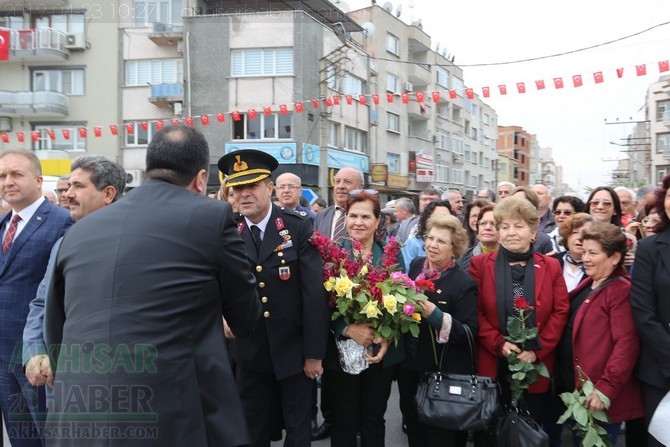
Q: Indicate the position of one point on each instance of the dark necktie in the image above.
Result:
(256, 232)
(8, 240)
(339, 233)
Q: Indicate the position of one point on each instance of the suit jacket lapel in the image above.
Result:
(271, 238)
(247, 237)
(31, 226)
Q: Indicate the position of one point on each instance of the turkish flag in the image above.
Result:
(389, 97)
(4, 137)
(236, 116)
(35, 135)
(145, 125)
(336, 100)
(4, 44)
(283, 109)
(469, 93)
(315, 103)
(66, 134)
(404, 98)
(204, 119)
(97, 131)
(160, 124)
(267, 110)
(174, 121)
(577, 81)
(436, 97)
(130, 128)
(252, 113)
(420, 96)
(82, 132)
(452, 93)
(189, 121)
(350, 99)
(375, 98)
(521, 87)
(503, 89)
(619, 72)
(329, 102)
(558, 82)
(641, 70)
(361, 99)
(51, 133)
(114, 129)
(486, 91)
(663, 66)
(539, 84)
(220, 117)
(20, 136)
(598, 77)
(299, 107)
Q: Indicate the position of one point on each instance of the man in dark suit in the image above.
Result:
(276, 365)
(28, 233)
(136, 302)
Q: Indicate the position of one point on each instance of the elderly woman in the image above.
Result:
(651, 309)
(358, 402)
(487, 235)
(414, 245)
(470, 218)
(571, 239)
(515, 270)
(600, 337)
(452, 305)
(562, 208)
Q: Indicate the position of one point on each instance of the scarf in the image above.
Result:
(573, 261)
(505, 289)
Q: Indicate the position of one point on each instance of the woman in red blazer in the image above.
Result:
(515, 270)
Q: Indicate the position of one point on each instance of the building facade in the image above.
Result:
(517, 144)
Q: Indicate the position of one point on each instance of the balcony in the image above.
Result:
(165, 94)
(418, 74)
(419, 111)
(34, 104)
(37, 45)
(166, 33)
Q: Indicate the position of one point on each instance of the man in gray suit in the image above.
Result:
(136, 302)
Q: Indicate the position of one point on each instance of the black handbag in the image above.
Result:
(457, 401)
(517, 428)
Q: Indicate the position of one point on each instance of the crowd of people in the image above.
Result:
(164, 317)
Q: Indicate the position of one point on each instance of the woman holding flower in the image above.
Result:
(358, 401)
(451, 304)
(525, 291)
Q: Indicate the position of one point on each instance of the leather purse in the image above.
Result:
(457, 401)
(517, 428)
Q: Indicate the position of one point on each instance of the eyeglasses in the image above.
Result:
(602, 203)
(355, 192)
(563, 212)
(485, 223)
(282, 187)
(650, 220)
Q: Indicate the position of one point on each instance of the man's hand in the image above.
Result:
(227, 332)
(38, 370)
(508, 348)
(312, 368)
(361, 333)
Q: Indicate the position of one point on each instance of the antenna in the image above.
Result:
(398, 11)
(388, 6)
(369, 30)
(418, 24)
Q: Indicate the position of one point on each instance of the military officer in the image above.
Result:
(278, 362)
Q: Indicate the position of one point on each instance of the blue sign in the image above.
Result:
(310, 195)
(341, 159)
(285, 153)
(311, 154)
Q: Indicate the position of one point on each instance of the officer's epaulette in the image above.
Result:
(293, 212)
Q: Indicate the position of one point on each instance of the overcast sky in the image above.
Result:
(571, 120)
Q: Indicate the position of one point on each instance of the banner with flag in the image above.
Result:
(4, 44)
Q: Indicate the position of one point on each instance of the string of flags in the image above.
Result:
(330, 101)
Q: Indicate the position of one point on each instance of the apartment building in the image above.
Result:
(653, 153)
(516, 143)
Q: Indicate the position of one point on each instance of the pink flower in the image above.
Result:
(402, 279)
(408, 309)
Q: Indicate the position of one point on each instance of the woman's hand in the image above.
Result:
(632, 227)
(508, 348)
(527, 356)
(427, 308)
(629, 259)
(383, 349)
(593, 403)
(361, 333)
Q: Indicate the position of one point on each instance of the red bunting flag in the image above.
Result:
(236, 116)
(204, 119)
(641, 70)
(35, 135)
(486, 91)
(299, 107)
(251, 113)
(469, 93)
(521, 87)
(375, 98)
(315, 103)
(420, 97)
(558, 83)
(283, 109)
(145, 125)
(20, 136)
(82, 132)
(130, 128)
(619, 73)
(4, 137)
(114, 129)
(174, 121)
(663, 66)
(361, 99)
(97, 131)
(66, 134)
(5, 37)
(51, 133)
(539, 84)
(160, 124)
(267, 110)
(329, 102)
(452, 93)
(436, 97)
(336, 100)
(404, 97)
(189, 121)
(577, 81)
(349, 99)
(221, 117)
(503, 89)
(389, 97)
(598, 77)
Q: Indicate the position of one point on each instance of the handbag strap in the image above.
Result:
(471, 345)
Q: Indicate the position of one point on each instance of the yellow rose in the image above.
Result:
(371, 310)
(330, 284)
(364, 270)
(390, 303)
(416, 316)
(343, 286)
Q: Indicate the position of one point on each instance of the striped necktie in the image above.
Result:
(339, 232)
(8, 240)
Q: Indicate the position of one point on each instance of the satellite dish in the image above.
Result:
(444, 52)
(418, 24)
(338, 29)
(388, 6)
(398, 11)
(369, 28)
(437, 47)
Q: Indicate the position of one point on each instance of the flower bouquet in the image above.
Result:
(377, 295)
(522, 374)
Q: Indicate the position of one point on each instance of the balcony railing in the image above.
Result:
(162, 94)
(47, 44)
(34, 104)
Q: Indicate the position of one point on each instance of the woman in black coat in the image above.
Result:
(450, 306)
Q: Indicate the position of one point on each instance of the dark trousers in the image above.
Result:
(262, 398)
(23, 407)
(358, 403)
(652, 396)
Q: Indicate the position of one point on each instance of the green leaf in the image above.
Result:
(588, 387)
(519, 375)
(567, 398)
(542, 370)
(514, 330)
(386, 332)
(518, 365)
(580, 413)
(531, 333)
(591, 438)
(565, 416)
(604, 398)
(401, 299)
(414, 330)
(601, 416)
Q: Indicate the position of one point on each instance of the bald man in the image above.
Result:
(289, 190)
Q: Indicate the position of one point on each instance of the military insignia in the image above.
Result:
(240, 165)
(283, 233)
(240, 227)
(284, 273)
(302, 213)
(285, 245)
(279, 223)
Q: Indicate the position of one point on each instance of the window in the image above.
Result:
(12, 22)
(392, 44)
(333, 132)
(442, 77)
(264, 127)
(663, 111)
(69, 82)
(441, 171)
(262, 62)
(355, 140)
(393, 122)
(443, 111)
(154, 71)
(663, 143)
(458, 85)
(457, 176)
(457, 145)
(393, 161)
(441, 139)
(59, 142)
(141, 137)
(352, 85)
(148, 12)
(486, 119)
(67, 23)
(392, 83)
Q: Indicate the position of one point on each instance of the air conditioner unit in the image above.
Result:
(408, 87)
(457, 157)
(180, 47)
(160, 27)
(134, 177)
(75, 41)
(177, 108)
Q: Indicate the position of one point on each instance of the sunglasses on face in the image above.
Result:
(604, 204)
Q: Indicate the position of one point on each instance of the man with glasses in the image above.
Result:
(289, 190)
(486, 194)
(563, 208)
(62, 185)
